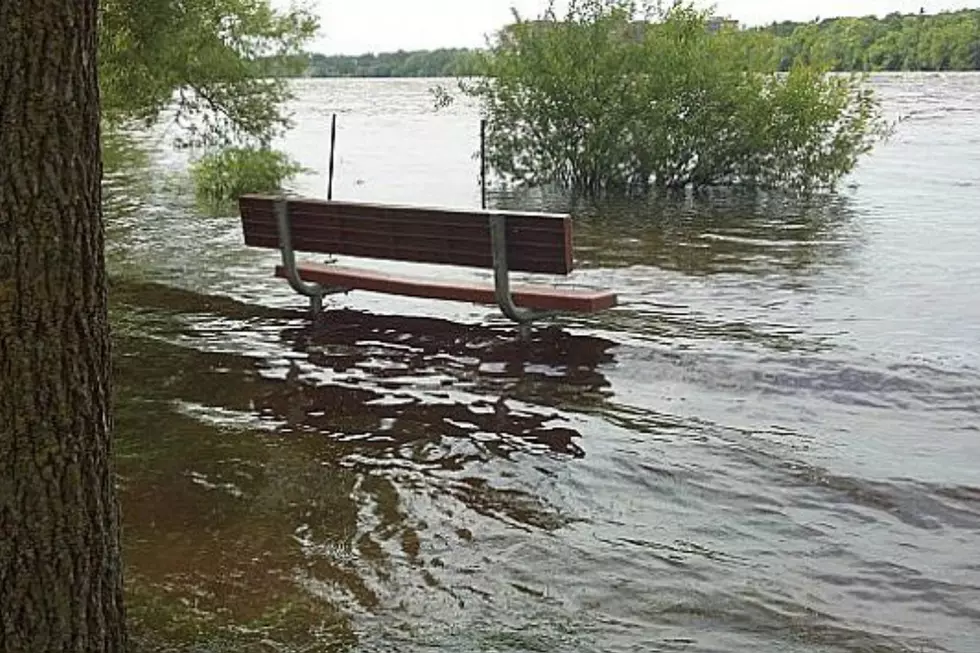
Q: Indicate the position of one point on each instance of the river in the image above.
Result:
(772, 444)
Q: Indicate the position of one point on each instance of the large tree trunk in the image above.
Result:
(60, 574)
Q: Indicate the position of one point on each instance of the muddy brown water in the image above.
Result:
(773, 444)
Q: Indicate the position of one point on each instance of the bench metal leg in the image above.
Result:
(314, 291)
(316, 305)
(501, 277)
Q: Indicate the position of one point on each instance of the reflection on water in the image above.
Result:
(711, 232)
(262, 473)
(771, 443)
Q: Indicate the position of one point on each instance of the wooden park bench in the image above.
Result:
(504, 241)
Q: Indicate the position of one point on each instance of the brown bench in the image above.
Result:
(503, 241)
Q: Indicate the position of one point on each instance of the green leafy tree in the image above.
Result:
(945, 41)
(60, 572)
(615, 96)
(206, 60)
(217, 69)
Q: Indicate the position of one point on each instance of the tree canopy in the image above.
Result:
(912, 42)
(207, 61)
(217, 70)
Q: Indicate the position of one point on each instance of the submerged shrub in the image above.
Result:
(223, 176)
(617, 97)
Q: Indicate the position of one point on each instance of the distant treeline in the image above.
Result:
(421, 63)
(946, 41)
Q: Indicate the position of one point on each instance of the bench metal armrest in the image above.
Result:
(312, 290)
(501, 275)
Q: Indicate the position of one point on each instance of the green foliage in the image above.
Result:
(945, 41)
(420, 63)
(618, 96)
(204, 60)
(223, 176)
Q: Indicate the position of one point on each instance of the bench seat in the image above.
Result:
(538, 297)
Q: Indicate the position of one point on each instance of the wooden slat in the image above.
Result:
(536, 242)
(536, 297)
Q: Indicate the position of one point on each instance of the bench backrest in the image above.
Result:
(536, 242)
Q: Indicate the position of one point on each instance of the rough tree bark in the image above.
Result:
(60, 574)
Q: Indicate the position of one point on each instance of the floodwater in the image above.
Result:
(773, 444)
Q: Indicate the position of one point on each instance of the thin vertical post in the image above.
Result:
(333, 144)
(483, 163)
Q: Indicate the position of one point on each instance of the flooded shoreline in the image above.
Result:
(771, 443)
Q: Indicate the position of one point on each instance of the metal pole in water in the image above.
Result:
(333, 144)
(483, 163)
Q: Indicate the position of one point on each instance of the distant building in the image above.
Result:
(717, 23)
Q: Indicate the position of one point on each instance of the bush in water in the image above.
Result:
(223, 176)
(619, 96)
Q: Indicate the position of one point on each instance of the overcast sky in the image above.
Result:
(358, 26)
